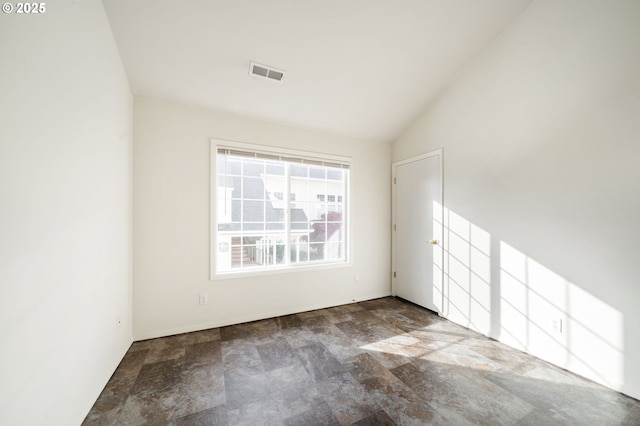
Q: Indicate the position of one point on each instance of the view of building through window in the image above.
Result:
(278, 212)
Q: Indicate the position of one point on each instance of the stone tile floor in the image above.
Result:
(380, 362)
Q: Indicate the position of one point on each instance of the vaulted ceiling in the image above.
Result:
(362, 68)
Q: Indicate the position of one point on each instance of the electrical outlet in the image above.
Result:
(556, 325)
(356, 279)
(204, 298)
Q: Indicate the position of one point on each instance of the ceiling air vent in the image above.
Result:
(265, 71)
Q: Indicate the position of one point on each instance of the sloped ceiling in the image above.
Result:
(362, 68)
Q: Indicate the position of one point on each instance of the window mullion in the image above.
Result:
(287, 215)
(344, 237)
(241, 214)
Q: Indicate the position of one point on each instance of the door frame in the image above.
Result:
(439, 153)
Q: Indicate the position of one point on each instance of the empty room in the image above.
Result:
(354, 212)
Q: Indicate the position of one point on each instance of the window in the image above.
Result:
(268, 213)
(331, 198)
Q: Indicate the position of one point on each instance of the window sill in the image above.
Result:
(278, 270)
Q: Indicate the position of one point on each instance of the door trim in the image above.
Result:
(394, 166)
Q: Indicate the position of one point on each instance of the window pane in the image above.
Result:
(229, 165)
(335, 174)
(253, 211)
(272, 226)
(274, 168)
(225, 227)
(300, 187)
(334, 216)
(317, 211)
(299, 219)
(223, 252)
(275, 187)
(252, 188)
(232, 183)
(236, 206)
(299, 248)
(316, 251)
(270, 250)
(317, 172)
(223, 203)
(333, 251)
(253, 168)
(298, 170)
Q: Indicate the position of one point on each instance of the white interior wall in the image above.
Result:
(65, 212)
(171, 224)
(540, 139)
(542, 187)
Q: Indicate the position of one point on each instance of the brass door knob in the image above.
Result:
(434, 242)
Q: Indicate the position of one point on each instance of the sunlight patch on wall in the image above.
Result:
(544, 314)
(466, 271)
(438, 260)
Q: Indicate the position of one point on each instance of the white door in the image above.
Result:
(417, 234)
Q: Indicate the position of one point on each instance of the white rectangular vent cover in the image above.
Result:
(266, 71)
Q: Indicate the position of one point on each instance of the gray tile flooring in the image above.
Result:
(380, 362)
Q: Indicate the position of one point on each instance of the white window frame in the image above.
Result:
(312, 157)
